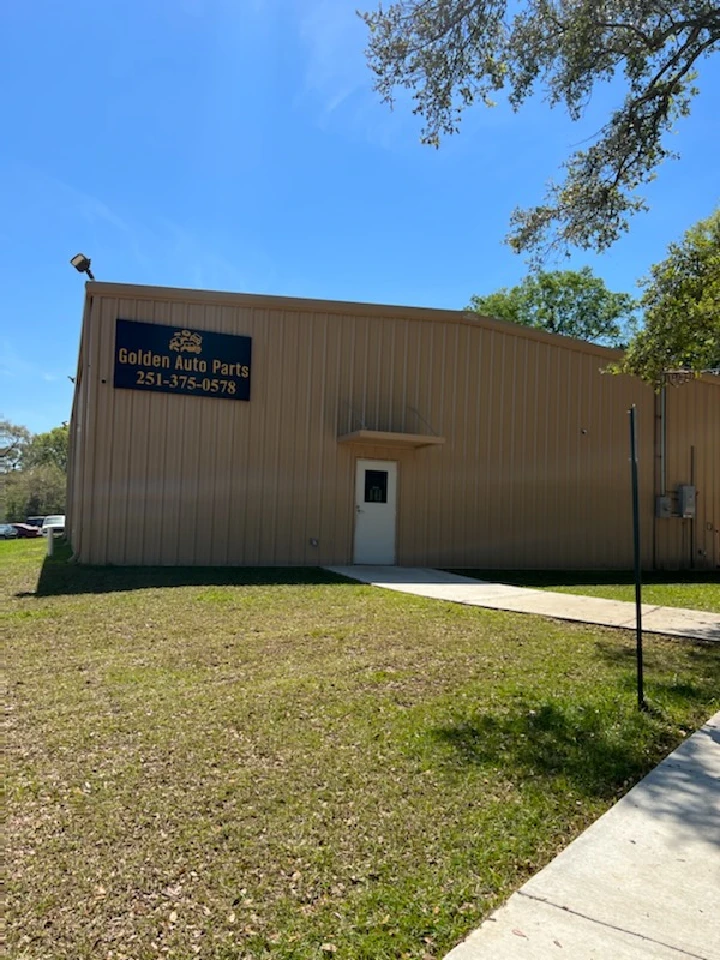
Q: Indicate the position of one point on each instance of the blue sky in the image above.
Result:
(239, 145)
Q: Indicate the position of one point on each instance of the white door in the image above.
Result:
(375, 505)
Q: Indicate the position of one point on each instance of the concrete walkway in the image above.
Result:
(642, 882)
(438, 585)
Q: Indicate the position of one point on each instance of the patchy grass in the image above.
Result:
(697, 590)
(255, 764)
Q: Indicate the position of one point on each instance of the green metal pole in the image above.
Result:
(638, 573)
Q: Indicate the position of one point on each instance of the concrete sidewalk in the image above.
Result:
(642, 882)
(438, 585)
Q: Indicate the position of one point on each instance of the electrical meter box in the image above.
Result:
(686, 501)
(663, 507)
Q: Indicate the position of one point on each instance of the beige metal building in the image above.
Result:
(217, 428)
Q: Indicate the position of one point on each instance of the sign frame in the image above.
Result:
(179, 360)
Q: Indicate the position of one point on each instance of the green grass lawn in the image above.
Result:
(256, 763)
(693, 589)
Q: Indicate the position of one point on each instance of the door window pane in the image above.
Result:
(376, 486)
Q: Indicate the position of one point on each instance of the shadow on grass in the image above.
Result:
(550, 750)
(58, 577)
(701, 659)
(580, 578)
(588, 750)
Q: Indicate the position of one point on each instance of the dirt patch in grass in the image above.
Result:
(292, 766)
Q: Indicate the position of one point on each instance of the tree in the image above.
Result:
(48, 448)
(574, 303)
(13, 440)
(454, 53)
(39, 491)
(681, 304)
(34, 469)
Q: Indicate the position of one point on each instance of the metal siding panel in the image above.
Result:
(498, 485)
(585, 491)
(295, 492)
(122, 444)
(204, 479)
(156, 488)
(222, 465)
(330, 538)
(373, 374)
(463, 528)
(342, 478)
(513, 483)
(401, 376)
(359, 359)
(260, 435)
(521, 464)
(226, 427)
(553, 504)
(528, 464)
(300, 492)
(189, 480)
(425, 504)
(249, 439)
(482, 549)
(99, 435)
(693, 419)
(430, 401)
(567, 479)
(315, 436)
(282, 400)
(605, 466)
(453, 543)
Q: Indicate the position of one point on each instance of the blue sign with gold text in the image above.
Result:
(196, 363)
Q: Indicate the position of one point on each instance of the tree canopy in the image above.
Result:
(574, 303)
(48, 448)
(13, 441)
(681, 305)
(38, 491)
(455, 53)
(35, 466)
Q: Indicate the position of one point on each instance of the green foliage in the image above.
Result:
(681, 303)
(13, 440)
(573, 303)
(455, 53)
(34, 468)
(48, 448)
(37, 491)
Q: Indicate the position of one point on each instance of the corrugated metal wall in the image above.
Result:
(534, 471)
(693, 456)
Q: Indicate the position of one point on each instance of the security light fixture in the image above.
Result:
(82, 264)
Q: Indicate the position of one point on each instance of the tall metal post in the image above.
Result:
(638, 574)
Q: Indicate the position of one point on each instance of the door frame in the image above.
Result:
(356, 502)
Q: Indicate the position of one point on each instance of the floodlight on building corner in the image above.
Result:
(82, 264)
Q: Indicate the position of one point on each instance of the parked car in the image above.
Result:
(7, 531)
(57, 523)
(35, 521)
(26, 530)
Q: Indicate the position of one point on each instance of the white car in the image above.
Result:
(57, 523)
